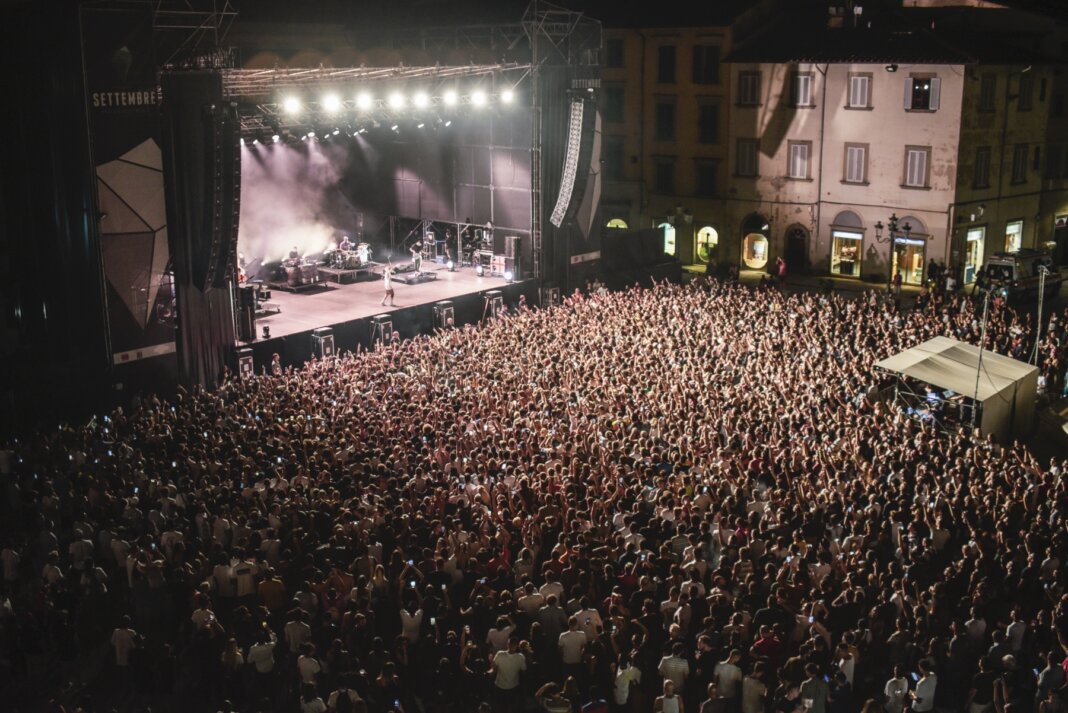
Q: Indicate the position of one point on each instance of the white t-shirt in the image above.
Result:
(124, 641)
(411, 624)
(309, 668)
(571, 644)
(728, 676)
(895, 690)
(498, 638)
(753, 692)
(508, 667)
(262, 656)
(624, 678)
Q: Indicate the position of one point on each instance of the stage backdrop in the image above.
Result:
(307, 194)
(120, 71)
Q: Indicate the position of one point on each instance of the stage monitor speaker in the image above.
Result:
(493, 305)
(444, 314)
(381, 330)
(323, 342)
(550, 296)
(245, 367)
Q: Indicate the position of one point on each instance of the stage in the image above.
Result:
(347, 309)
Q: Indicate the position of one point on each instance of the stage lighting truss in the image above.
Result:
(354, 112)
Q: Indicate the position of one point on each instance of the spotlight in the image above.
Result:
(421, 125)
(332, 103)
(451, 98)
(364, 101)
(311, 134)
(891, 68)
(479, 270)
(508, 276)
(304, 138)
(337, 131)
(255, 141)
(394, 127)
(448, 123)
(451, 265)
(396, 100)
(291, 105)
(478, 98)
(421, 100)
(507, 96)
(242, 142)
(276, 138)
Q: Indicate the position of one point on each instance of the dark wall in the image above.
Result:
(53, 347)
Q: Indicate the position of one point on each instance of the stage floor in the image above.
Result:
(302, 312)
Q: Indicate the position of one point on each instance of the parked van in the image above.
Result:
(1017, 274)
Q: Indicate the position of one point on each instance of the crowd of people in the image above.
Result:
(678, 499)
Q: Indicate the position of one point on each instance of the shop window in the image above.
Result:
(908, 260)
(669, 237)
(707, 244)
(973, 253)
(1013, 236)
(755, 251)
(846, 252)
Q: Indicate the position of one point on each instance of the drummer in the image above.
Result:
(346, 244)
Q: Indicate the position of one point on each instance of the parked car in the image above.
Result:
(1018, 274)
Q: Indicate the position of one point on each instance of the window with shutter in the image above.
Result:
(746, 158)
(856, 163)
(749, 88)
(916, 163)
(859, 91)
(798, 159)
(802, 89)
(922, 93)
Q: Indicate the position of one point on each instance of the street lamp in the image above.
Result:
(891, 238)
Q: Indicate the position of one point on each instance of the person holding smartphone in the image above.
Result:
(923, 698)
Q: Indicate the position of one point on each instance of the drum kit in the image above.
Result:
(356, 259)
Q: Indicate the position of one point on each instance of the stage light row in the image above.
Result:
(332, 103)
(263, 138)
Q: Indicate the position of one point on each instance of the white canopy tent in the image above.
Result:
(1007, 387)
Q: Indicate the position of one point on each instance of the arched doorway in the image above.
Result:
(755, 246)
(617, 223)
(796, 252)
(707, 245)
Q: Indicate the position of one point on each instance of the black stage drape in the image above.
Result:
(191, 104)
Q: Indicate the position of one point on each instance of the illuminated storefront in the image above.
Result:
(755, 246)
(669, 237)
(908, 259)
(707, 245)
(846, 252)
(847, 244)
(1013, 236)
(973, 253)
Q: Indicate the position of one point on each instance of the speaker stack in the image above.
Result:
(444, 314)
(246, 313)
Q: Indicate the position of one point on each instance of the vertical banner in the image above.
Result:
(121, 82)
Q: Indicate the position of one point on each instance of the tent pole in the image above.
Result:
(979, 366)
